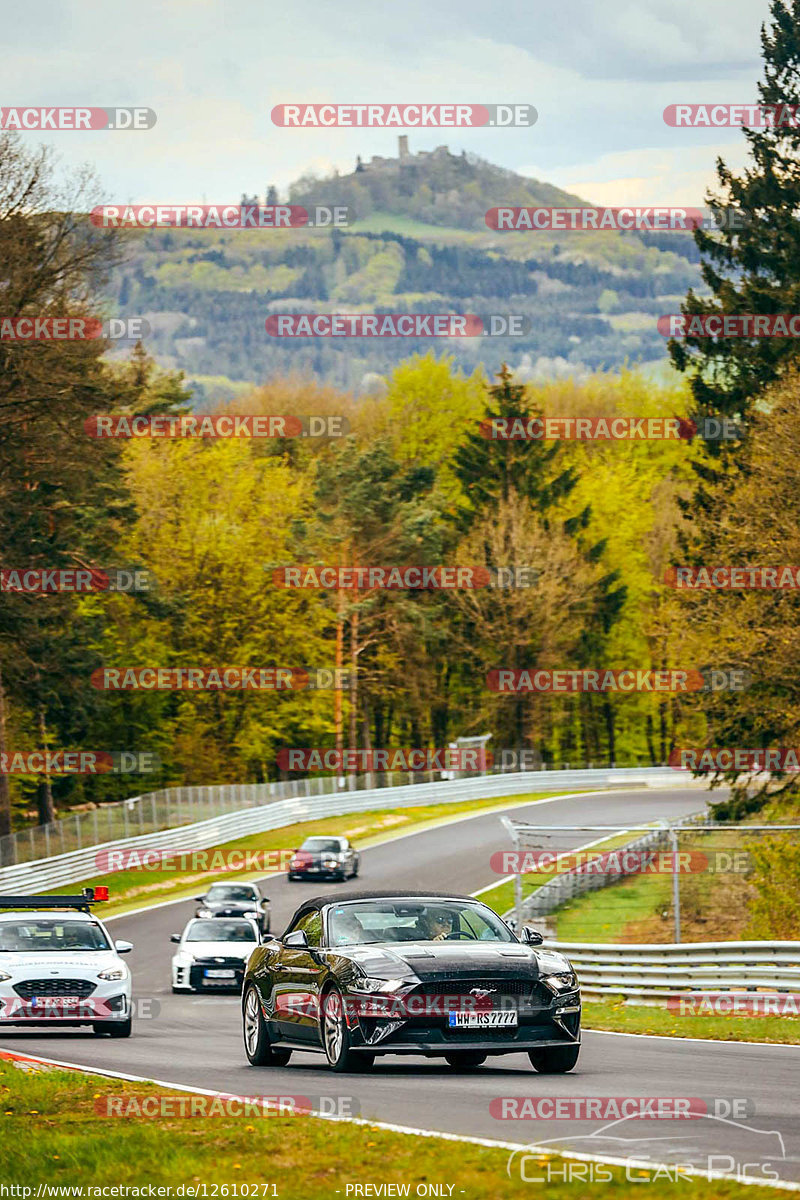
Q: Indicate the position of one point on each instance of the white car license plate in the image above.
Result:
(481, 1020)
(220, 974)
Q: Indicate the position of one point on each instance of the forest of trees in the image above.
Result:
(413, 481)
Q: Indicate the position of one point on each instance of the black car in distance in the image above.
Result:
(377, 973)
(324, 858)
(235, 900)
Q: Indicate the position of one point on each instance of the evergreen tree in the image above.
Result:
(751, 263)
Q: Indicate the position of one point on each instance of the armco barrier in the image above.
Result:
(60, 869)
(652, 972)
(579, 880)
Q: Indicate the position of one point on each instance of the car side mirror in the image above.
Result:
(175, 937)
(123, 947)
(199, 899)
(532, 937)
(296, 940)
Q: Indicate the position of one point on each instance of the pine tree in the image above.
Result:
(751, 263)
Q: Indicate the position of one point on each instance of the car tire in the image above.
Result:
(115, 1029)
(336, 1037)
(257, 1046)
(554, 1060)
(465, 1060)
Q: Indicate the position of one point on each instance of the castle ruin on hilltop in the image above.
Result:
(405, 161)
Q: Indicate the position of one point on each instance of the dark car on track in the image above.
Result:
(235, 900)
(324, 858)
(373, 973)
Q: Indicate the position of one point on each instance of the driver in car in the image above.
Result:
(439, 924)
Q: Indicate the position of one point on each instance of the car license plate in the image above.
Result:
(220, 974)
(481, 1020)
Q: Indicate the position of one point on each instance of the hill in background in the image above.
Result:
(417, 242)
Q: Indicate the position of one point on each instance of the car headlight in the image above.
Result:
(113, 973)
(562, 981)
(4, 976)
(204, 912)
(330, 861)
(367, 984)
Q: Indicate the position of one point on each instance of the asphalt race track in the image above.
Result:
(197, 1041)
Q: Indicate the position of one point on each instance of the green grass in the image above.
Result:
(616, 1015)
(50, 1133)
(135, 889)
(603, 915)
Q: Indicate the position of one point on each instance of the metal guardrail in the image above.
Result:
(273, 813)
(581, 879)
(653, 972)
(171, 808)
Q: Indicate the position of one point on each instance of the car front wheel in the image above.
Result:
(336, 1037)
(554, 1060)
(257, 1045)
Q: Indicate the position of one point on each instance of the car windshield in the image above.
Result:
(414, 921)
(221, 931)
(51, 936)
(317, 844)
(227, 892)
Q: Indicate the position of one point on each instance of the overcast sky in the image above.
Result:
(599, 73)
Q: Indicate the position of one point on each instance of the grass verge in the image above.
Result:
(615, 1015)
(51, 1135)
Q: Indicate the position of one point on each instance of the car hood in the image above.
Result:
(446, 960)
(33, 966)
(241, 950)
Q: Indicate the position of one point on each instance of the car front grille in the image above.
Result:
(54, 987)
(198, 978)
(529, 989)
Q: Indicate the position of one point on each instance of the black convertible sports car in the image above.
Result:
(423, 973)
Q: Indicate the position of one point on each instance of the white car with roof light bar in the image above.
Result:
(59, 967)
(212, 953)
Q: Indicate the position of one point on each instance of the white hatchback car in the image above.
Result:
(212, 953)
(61, 968)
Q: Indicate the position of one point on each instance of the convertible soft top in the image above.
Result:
(343, 897)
